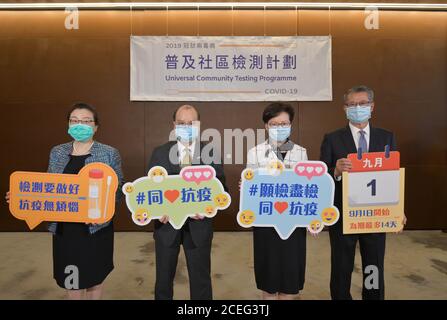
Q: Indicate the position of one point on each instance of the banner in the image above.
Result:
(230, 68)
(196, 190)
(288, 198)
(88, 196)
(373, 193)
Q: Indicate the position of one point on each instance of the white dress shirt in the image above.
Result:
(356, 136)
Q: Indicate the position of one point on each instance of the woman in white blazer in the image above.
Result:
(279, 264)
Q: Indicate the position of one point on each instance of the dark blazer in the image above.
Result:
(340, 143)
(201, 230)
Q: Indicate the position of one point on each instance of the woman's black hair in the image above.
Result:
(86, 106)
(274, 109)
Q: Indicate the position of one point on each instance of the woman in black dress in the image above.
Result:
(82, 253)
(279, 264)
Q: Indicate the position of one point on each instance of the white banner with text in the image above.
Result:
(165, 68)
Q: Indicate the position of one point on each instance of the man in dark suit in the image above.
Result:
(359, 103)
(197, 232)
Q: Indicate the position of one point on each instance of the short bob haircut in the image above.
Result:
(274, 109)
(86, 106)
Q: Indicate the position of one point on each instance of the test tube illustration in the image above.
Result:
(94, 193)
(109, 181)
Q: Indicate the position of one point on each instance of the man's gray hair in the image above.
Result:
(360, 88)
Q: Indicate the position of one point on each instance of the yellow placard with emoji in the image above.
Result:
(87, 197)
(286, 199)
(195, 190)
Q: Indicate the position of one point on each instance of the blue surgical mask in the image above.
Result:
(186, 133)
(279, 133)
(359, 113)
(80, 132)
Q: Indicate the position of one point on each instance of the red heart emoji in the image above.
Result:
(171, 195)
(281, 206)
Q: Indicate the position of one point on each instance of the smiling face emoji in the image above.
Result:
(141, 217)
(247, 217)
(315, 226)
(209, 210)
(275, 168)
(157, 174)
(221, 200)
(329, 216)
(249, 174)
(128, 188)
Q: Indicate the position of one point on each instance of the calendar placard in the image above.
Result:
(373, 193)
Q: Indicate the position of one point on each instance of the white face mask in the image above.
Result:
(279, 133)
(359, 113)
(186, 133)
(157, 179)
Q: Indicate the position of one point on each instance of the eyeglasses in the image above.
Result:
(77, 121)
(184, 123)
(279, 125)
(360, 104)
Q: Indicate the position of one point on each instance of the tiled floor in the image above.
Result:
(415, 267)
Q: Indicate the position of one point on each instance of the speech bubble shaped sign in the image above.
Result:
(288, 198)
(87, 197)
(196, 190)
(197, 175)
(309, 170)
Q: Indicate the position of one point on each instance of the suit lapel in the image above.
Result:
(174, 167)
(373, 141)
(196, 159)
(348, 140)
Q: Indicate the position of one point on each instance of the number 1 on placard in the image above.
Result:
(372, 184)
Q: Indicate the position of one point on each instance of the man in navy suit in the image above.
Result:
(197, 233)
(358, 106)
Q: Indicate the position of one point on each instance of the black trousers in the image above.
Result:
(198, 261)
(372, 249)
